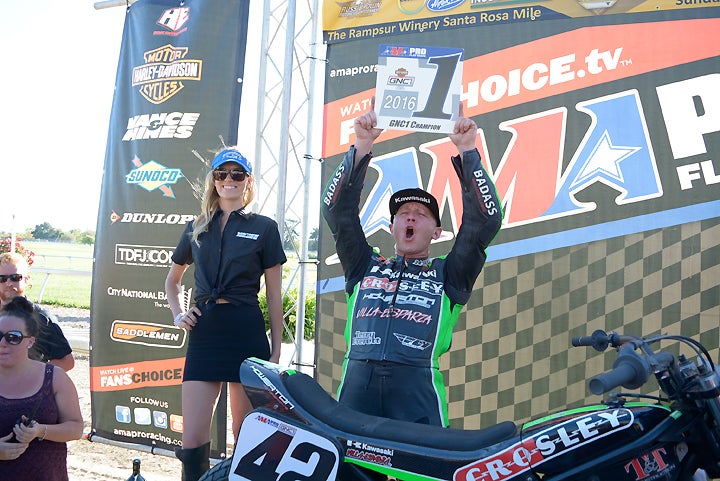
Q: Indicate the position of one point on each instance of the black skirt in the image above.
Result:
(224, 336)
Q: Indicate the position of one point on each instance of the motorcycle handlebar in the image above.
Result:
(630, 370)
(599, 340)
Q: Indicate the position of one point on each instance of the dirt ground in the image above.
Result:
(98, 461)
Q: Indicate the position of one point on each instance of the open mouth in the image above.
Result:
(409, 232)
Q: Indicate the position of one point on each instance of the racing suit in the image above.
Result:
(401, 312)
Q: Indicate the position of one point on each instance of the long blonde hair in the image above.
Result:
(210, 203)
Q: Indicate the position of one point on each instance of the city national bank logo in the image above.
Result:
(173, 21)
(143, 256)
(164, 71)
(153, 175)
(148, 334)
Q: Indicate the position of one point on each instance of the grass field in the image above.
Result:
(74, 290)
(61, 289)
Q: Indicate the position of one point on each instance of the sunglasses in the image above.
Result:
(10, 277)
(12, 337)
(236, 175)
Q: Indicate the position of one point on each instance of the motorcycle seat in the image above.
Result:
(311, 397)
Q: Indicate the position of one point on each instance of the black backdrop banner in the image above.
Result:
(177, 100)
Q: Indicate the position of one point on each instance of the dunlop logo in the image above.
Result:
(163, 73)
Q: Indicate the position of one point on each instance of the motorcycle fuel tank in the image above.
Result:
(563, 441)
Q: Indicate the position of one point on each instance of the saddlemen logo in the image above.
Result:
(143, 256)
(545, 445)
(163, 73)
(173, 125)
(149, 218)
(153, 175)
(147, 334)
(173, 20)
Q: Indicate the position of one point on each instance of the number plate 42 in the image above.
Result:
(269, 449)
(418, 88)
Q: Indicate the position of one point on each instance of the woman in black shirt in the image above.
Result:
(231, 248)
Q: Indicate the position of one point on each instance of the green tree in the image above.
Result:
(313, 239)
(290, 241)
(46, 231)
(290, 309)
(87, 237)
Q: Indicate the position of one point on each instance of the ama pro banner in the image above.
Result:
(177, 99)
(602, 135)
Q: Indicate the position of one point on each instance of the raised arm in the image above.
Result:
(464, 133)
(482, 214)
(365, 132)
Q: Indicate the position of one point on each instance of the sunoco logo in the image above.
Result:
(164, 71)
(147, 334)
(144, 256)
(153, 175)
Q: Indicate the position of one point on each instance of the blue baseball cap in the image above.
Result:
(232, 155)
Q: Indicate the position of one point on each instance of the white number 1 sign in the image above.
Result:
(418, 88)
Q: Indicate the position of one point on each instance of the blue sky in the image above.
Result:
(60, 60)
(56, 91)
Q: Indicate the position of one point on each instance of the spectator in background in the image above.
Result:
(39, 406)
(50, 344)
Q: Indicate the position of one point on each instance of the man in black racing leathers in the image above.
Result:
(402, 310)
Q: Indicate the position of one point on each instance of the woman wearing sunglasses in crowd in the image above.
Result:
(39, 406)
(232, 248)
(50, 344)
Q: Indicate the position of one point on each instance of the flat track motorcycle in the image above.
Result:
(299, 432)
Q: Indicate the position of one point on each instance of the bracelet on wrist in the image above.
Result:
(176, 322)
(44, 434)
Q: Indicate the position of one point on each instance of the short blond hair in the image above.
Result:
(15, 259)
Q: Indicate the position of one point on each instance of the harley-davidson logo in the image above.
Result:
(164, 71)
